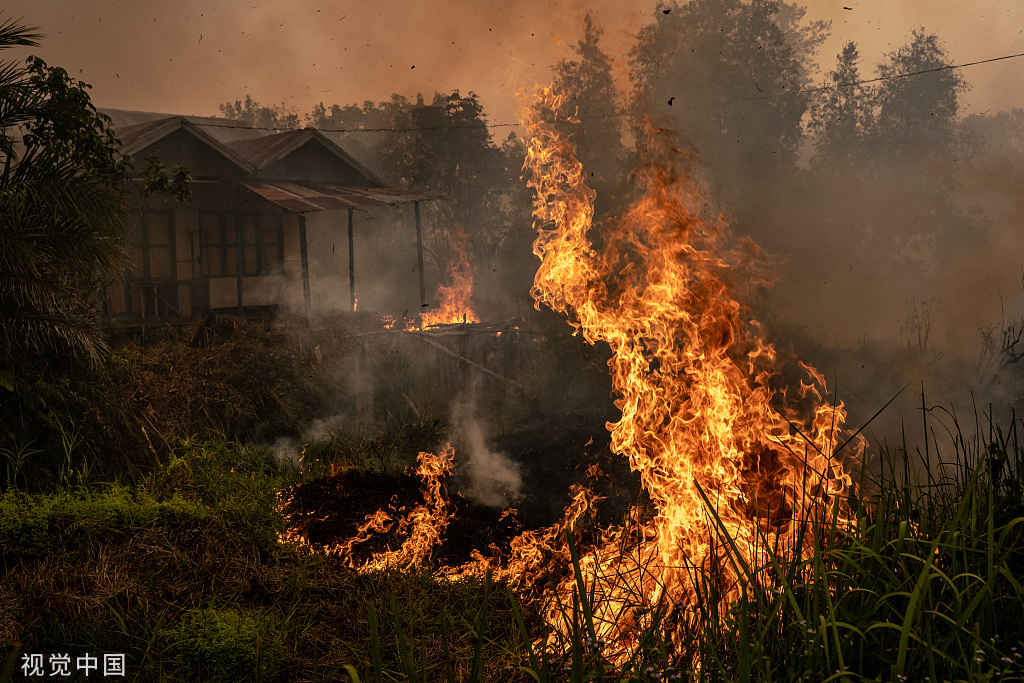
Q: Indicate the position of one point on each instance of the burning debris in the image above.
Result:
(454, 298)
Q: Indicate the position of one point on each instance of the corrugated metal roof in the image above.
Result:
(252, 150)
(267, 149)
(138, 137)
(223, 130)
(307, 197)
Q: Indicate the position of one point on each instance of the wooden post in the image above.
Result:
(239, 246)
(304, 255)
(351, 263)
(419, 254)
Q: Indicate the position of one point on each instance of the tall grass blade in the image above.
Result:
(378, 667)
(538, 671)
(481, 632)
(404, 650)
(352, 673)
(7, 673)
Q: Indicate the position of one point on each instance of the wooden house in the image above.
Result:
(242, 245)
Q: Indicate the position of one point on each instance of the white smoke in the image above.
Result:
(287, 450)
(494, 479)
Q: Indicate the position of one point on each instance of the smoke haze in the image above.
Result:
(189, 56)
(890, 272)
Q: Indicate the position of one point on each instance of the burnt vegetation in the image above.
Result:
(175, 494)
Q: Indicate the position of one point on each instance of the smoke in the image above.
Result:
(288, 450)
(492, 478)
(893, 218)
(895, 252)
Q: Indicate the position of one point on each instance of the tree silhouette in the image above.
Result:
(842, 118)
(586, 81)
(255, 114)
(726, 74)
(918, 115)
(920, 147)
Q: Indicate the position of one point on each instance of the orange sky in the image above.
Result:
(188, 56)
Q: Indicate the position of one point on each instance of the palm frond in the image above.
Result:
(61, 212)
(14, 34)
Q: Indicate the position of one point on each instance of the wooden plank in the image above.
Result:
(476, 365)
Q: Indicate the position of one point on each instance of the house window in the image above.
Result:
(151, 289)
(272, 230)
(219, 243)
(262, 243)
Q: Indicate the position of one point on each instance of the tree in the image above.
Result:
(727, 75)
(60, 208)
(922, 146)
(998, 133)
(919, 104)
(842, 117)
(451, 154)
(368, 125)
(253, 113)
(62, 211)
(586, 81)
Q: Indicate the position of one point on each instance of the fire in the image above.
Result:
(524, 566)
(720, 451)
(455, 306)
(391, 322)
(734, 462)
(423, 526)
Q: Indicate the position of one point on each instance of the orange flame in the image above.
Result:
(718, 450)
(523, 567)
(424, 524)
(455, 306)
(732, 466)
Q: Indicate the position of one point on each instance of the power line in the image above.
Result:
(850, 84)
(363, 130)
(769, 96)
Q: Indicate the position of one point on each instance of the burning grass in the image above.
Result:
(746, 554)
(185, 574)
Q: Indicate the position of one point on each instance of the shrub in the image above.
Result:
(230, 646)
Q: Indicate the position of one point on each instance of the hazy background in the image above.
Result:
(893, 212)
(187, 57)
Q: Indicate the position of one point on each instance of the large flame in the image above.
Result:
(736, 465)
(454, 298)
(727, 463)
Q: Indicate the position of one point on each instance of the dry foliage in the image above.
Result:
(223, 377)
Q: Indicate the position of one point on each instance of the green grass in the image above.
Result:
(184, 574)
(182, 571)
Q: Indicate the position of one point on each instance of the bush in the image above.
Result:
(34, 523)
(230, 646)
